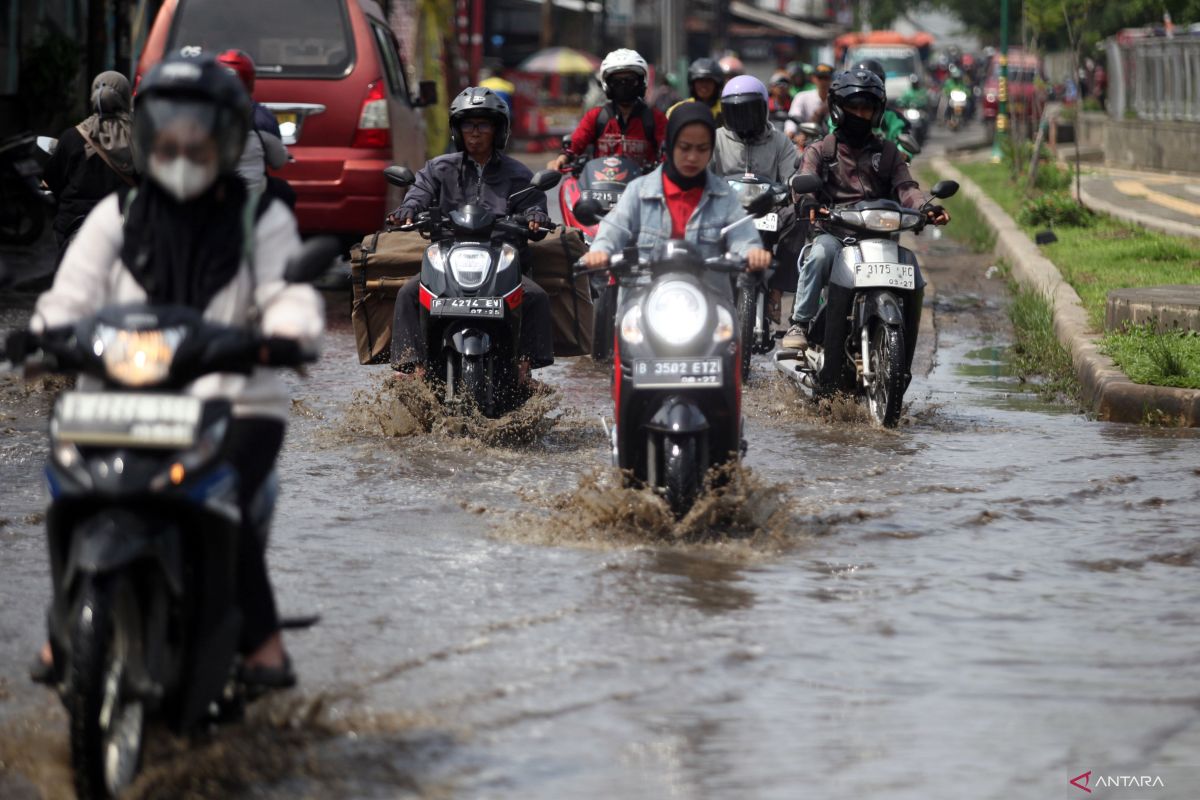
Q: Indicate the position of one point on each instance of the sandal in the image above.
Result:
(260, 679)
(41, 672)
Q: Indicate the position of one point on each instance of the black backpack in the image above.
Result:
(607, 112)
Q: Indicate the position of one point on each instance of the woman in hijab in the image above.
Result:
(681, 199)
(93, 159)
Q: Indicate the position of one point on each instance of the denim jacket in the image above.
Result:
(642, 215)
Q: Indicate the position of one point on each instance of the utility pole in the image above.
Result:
(547, 23)
(669, 50)
(1002, 88)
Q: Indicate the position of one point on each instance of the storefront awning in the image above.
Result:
(780, 22)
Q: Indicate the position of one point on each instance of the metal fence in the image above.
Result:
(1159, 79)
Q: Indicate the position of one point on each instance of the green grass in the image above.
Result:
(1107, 255)
(966, 223)
(1158, 359)
(1036, 350)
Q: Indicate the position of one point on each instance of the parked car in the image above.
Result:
(1026, 97)
(332, 73)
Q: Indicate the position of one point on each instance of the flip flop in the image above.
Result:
(259, 679)
(41, 672)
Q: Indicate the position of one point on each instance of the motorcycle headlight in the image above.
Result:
(874, 220)
(508, 254)
(724, 329)
(912, 114)
(436, 256)
(958, 96)
(676, 312)
(470, 266)
(137, 358)
(631, 326)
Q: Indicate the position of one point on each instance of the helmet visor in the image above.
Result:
(744, 115)
(168, 127)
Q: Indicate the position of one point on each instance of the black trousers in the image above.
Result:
(252, 446)
(408, 337)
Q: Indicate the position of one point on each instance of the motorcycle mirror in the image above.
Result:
(806, 183)
(546, 179)
(399, 176)
(909, 143)
(944, 189)
(566, 141)
(760, 205)
(588, 211)
(313, 260)
(811, 129)
(47, 144)
(427, 94)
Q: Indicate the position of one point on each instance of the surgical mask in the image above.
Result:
(181, 178)
(853, 130)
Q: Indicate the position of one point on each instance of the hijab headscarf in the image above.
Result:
(685, 114)
(109, 127)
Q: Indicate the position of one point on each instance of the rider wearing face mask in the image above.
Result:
(625, 125)
(681, 199)
(854, 164)
(191, 234)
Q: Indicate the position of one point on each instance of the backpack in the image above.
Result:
(886, 167)
(607, 112)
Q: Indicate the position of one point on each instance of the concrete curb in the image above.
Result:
(1107, 390)
(1138, 218)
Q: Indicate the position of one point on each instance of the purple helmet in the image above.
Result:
(744, 106)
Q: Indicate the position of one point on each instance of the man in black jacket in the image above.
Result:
(478, 173)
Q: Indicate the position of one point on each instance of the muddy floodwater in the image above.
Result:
(987, 602)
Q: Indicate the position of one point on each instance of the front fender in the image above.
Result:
(678, 415)
(115, 539)
(884, 306)
(471, 342)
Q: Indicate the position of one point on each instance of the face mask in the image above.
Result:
(183, 179)
(854, 131)
(625, 93)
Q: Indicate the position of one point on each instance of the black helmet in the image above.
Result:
(707, 68)
(857, 84)
(198, 88)
(477, 101)
(872, 66)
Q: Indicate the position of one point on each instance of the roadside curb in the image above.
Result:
(1136, 217)
(1106, 389)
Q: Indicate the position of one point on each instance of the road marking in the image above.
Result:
(1194, 188)
(1139, 189)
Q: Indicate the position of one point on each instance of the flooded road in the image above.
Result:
(987, 602)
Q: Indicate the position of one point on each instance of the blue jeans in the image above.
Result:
(814, 274)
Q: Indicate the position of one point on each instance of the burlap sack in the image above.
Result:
(379, 266)
(550, 262)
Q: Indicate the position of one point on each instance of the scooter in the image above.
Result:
(956, 109)
(677, 384)
(23, 203)
(471, 296)
(864, 335)
(143, 525)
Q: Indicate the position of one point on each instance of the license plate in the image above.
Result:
(486, 307)
(606, 199)
(768, 222)
(675, 372)
(127, 419)
(27, 167)
(899, 276)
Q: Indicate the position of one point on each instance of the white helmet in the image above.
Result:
(622, 61)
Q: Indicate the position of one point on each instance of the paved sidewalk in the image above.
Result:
(1168, 203)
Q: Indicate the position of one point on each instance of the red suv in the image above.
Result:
(332, 73)
(1025, 97)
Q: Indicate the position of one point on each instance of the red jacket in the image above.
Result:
(613, 141)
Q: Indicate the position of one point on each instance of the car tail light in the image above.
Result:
(373, 127)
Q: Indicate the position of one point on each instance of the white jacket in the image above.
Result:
(92, 276)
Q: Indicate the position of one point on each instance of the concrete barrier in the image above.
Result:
(1146, 144)
(1105, 388)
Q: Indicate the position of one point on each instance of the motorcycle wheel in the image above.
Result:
(476, 386)
(25, 225)
(107, 725)
(603, 322)
(885, 395)
(747, 308)
(682, 474)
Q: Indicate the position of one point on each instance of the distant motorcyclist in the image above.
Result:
(625, 125)
(954, 83)
(705, 79)
(780, 100)
(811, 105)
(801, 73)
(92, 159)
(264, 142)
(855, 164)
(191, 234)
(732, 66)
(681, 199)
(479, 172)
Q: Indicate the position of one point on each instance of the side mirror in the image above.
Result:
(588, 211)
(812, 130)
(909, 143)
(47, 144)
(399, 176)
(546, 179)
(313, 260)
(761, 204)
(427, 94)
(944, 189)
(566, 141)
(807, 183)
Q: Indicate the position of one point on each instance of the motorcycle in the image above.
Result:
(23, 202)
(676, 367)
(864, 335)
(755, 327)
(603, 180)
(956, 109)
(143, 525)
(471, 296)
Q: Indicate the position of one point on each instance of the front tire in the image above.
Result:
(604, 323)
(25, 223)
(682, 472)
(476, 386)
(885, 395)
(107, 725)
(747, 310)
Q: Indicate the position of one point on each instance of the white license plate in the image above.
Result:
(649, 373)
(767, 222)
(489, 307)
(127, 419)
(899, 276)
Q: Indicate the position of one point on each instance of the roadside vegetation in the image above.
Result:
(1095, 254)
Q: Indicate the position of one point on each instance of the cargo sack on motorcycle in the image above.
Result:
(380, 265)
(550, 263)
